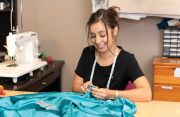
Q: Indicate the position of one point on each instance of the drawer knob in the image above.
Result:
(177, 72)
(167, 87)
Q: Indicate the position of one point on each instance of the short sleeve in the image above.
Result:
(133, 69)
(81, 64)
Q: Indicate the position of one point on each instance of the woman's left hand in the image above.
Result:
(101, 93)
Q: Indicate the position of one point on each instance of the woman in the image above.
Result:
(107, 66)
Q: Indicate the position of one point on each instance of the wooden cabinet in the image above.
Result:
(42, 81)
(136, 9)
(148, 7)
(166, 85)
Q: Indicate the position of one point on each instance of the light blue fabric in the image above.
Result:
(64, 104)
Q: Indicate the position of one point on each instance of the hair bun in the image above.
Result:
(115, 10)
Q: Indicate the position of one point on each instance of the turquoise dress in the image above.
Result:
(64, 104)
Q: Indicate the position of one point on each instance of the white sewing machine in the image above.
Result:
(23, 54)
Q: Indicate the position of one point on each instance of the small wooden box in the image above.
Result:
(166, 86)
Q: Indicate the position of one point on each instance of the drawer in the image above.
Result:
(165, 75)
(43, 83)
(166, 92)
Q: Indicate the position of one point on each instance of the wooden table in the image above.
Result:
(11, 93)
(144, 109)
(158, 109)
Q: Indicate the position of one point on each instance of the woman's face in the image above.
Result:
(98, 37)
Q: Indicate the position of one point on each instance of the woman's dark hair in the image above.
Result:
(109, 17)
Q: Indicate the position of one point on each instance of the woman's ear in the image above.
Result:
(115, 31)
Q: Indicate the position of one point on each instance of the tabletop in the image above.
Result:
(158, 109)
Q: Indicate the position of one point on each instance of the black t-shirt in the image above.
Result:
(126, 69)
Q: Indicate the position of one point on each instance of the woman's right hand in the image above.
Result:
(85, 85)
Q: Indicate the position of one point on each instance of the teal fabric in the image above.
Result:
(64, 104)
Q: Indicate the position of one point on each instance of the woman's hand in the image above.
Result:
(84, 87)
(102, 93)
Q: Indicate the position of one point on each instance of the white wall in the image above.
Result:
(61, 29)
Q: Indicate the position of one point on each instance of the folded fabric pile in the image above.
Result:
(64, 104)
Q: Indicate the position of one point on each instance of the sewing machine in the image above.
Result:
(22, 49)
